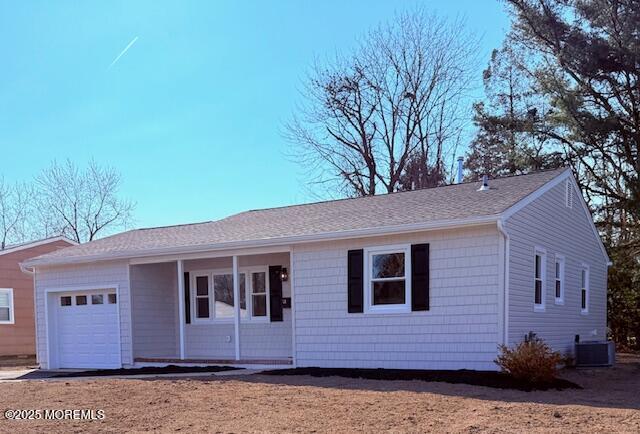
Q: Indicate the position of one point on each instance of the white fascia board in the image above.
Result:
(535, 195)
(36, 244)
(566, 175)
(282, 241)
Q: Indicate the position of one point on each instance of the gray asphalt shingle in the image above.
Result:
(453, 202)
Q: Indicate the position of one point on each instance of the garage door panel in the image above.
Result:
(87, 334)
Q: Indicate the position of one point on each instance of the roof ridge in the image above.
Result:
(178, 225)
(537, 172)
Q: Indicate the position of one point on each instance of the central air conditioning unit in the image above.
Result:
(595, 353)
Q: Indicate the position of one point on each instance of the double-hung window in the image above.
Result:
(258, 294)
(214, 297)
(584, 289)
(387, 279)
(559, 279)
(6, 306)
(539, 279)
(202, 296)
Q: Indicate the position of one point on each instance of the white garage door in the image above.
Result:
(87, 331)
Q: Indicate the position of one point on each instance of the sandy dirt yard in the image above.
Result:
(609, 402)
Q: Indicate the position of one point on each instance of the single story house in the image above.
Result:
(17, 319)
(429, 279)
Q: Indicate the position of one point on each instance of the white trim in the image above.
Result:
(12, 315)
(542, 252)
(35, 311)
(80, 288)
(369, 307)
(504, 282)
(37, 243)
(135, 255)
(566, 175)
(236, 303)
(294, 352)
(210, 255)
(536, 194)
(562, 278)
(585, 267)
(130, 300)
(193, 295)
(180, 270)
(249, 293)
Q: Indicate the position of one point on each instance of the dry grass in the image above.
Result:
(610, 401)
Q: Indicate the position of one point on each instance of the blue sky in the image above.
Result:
(192, 114)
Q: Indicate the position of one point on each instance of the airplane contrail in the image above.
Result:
(133, 41)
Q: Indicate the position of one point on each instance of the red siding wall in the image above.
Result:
(19, 338)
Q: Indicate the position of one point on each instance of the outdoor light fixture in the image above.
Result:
(284, 275)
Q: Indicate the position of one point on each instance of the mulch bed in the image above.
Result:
(150, 370)
(494, 379)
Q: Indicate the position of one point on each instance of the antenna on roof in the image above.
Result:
(485, 183)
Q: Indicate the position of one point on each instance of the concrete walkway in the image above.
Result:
(39, 375)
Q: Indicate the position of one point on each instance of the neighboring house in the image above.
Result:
(429, 279)
(17, 322)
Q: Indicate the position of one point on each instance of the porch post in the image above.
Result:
(181, 305)
(236, 305)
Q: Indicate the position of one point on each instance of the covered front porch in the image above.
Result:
(212, 309)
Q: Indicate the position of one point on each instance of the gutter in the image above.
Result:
(26, 269)
(282, 241)
(505, 281)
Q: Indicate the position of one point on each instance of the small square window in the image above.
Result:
(65, 301)
(112, 299)
(97, 299)
(81, 300)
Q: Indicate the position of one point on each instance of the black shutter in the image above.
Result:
(275, 293)
(187, 299)
(420, 277)
(355, 282)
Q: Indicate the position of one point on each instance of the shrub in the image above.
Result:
(531, 361)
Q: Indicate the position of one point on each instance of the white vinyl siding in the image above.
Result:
(154, 299)
(259, 338)
(95, 275)
(461, 330)
(548, 223)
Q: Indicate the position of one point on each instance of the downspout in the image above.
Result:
(505, 284)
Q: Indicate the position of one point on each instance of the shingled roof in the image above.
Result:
(442, 206)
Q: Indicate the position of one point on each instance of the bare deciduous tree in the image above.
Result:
(390, 114)
(14, 208)
(81, 203)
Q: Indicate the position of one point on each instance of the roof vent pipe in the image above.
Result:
(485, 183)
(459, 174)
